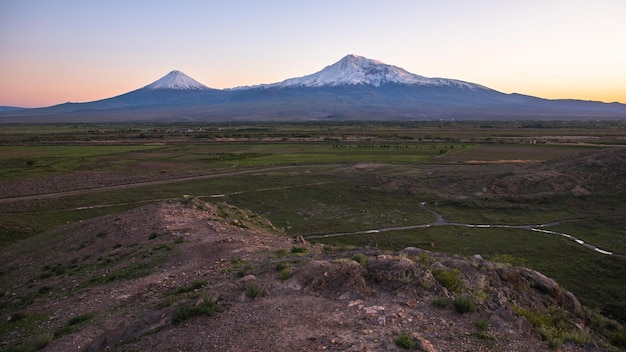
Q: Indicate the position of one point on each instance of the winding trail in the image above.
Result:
(141, 184)
(440, 221)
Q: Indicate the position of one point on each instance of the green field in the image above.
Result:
(317, 179)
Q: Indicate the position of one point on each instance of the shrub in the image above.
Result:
(449, 279)
(254, 291)
(482, 324)
(280, 266)
(285, 273)
(405, 340)
(464, 305)
(424, 259)
(360, 258)
(405, 279)
(298, 249)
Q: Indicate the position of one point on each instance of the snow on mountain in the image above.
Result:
(358, 70)
(176, 80)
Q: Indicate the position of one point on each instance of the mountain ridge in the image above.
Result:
(353, 88)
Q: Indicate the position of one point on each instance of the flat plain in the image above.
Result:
(350, 184)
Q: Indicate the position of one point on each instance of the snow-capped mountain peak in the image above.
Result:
(359, 70)
(176, 80)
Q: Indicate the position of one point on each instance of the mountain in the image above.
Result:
(9, 108)
(360, 71)
(178, 81)
(354, 88)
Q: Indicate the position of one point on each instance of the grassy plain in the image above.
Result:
(312, 179)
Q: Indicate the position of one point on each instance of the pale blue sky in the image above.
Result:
(70, 50)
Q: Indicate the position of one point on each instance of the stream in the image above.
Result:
(440, 221)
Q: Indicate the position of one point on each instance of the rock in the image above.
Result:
(571, 303)
(248, 278)
(543, 283)
(421, 344)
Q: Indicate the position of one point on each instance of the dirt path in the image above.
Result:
(139, 184)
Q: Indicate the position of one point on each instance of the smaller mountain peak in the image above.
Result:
(176, 80)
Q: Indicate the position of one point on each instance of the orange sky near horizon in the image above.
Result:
(55, 52)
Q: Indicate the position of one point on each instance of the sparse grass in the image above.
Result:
(244, 269)
(554, 325)
(482, 324)
(613, 331)
(207, 306)
(279, 253)
(73, 324)
(405, 340)
(442, 302)
(42, 340)
(196, 285)
(508, 259)
(424, 259)
(253, 291)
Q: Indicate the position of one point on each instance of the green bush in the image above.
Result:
(405, 340)
(464, 305)
(449, 279)
(360, 258)
(285, 274)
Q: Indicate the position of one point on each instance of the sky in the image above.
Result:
(52, 52)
